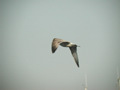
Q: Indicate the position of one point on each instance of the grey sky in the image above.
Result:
(28, 28)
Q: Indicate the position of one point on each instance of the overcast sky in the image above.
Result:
(28, 28)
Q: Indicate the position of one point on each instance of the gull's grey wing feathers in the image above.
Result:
(55, 44)
(73, 50)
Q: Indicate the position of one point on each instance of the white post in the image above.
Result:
(85, 88)
(119, 83)
(118, 79)
(86, 82)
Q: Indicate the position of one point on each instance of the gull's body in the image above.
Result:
(73, 47)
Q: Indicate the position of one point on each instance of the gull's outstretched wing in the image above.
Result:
(55, 43)
(73, 50)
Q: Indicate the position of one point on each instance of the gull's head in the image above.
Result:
(72, 44)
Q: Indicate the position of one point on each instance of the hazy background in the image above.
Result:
(28, 28)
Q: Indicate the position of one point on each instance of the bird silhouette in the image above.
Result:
(73, 47)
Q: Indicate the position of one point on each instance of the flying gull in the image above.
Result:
(73, 47)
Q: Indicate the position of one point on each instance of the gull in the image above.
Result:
(73, 47)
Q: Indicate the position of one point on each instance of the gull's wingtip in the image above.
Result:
(78, 65)
(53, 51)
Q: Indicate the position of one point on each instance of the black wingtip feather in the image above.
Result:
(53, 49)
(78, 65)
